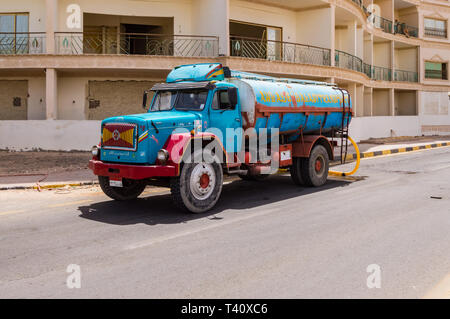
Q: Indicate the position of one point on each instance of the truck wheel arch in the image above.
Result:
(303, 147)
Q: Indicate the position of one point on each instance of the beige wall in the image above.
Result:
(405, 103)
(35, 8)
(266, 15)
(116, 98)
(381, 103)
(211, 17)
(318, 20)
(180, 10)
(382, 54)
(10, 89)
(406, 59)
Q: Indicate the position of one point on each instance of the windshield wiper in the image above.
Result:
(156, 129)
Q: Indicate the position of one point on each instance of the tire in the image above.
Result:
(199, 186)
(131, 190)
(314, 170)
(296, 170)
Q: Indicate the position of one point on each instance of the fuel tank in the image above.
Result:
(291, 105)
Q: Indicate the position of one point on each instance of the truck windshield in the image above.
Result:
(181, 100)
(191, 99)
(164, 100)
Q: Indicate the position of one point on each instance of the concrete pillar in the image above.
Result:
(353, 38)
(333, 34)
(392, 60)
(51, 24)
(392, 101)
(212, 17)
(354, 96)
(51, 94)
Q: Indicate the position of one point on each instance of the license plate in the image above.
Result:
(285, 155)
(115, 183)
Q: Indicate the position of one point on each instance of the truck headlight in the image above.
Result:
(163, 155)
(95, 150)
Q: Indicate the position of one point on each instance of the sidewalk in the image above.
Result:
(25, 169)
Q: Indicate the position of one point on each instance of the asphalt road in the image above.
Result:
(266, 239)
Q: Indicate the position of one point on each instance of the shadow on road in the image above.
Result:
(158, 209)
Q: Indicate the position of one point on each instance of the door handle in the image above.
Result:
(237, 119)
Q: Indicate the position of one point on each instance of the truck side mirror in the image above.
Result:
(232, 97)
(144, 100)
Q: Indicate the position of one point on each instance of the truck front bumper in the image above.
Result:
(119, 171)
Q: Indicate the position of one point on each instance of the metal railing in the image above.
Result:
(22, 43)
(408, 30)
(367, 70)
(136, 44)
(382, 23)
(279, 51)
(406, 76)
(348, 61)
(381, 74)
(436, 74)
(441, 33)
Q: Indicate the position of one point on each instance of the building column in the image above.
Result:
(353, 37)
(392, 101)
(51, 24)
(333, 35)
(392, 60)
(51, 94)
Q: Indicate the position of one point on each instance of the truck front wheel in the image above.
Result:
(198, 187)
(131, 188)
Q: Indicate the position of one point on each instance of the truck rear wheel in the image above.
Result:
(314, 170)
(198, 187)
(296, 170)
(131, 188)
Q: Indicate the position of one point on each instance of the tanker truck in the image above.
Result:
(183, 140)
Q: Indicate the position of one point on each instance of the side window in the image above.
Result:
(221, 101)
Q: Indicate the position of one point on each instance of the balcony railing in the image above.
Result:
(22, 43)
(381, 74)
(406, 76)
(408, 30)
(382, 23)
(136, 44)
(348, 61)
(279, 51)
(436, 74)
(367, 70)
(441, 33)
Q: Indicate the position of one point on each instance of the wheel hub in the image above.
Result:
(318, 165)
(202, 181)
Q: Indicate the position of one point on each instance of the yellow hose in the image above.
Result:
(358, 159)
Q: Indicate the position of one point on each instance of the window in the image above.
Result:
(14, 39)
(221, 101)
(163, 101)
(191, 100)
(436, 70)
(435, 28)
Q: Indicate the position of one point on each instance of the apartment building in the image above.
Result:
(67, 64)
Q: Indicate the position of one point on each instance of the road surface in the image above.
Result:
(266, 239)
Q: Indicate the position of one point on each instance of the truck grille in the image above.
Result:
(119, 136)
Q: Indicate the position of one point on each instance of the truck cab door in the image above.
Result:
(224, 115)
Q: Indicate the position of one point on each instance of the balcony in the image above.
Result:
(406, 30)
(405, 76)
(348, 61)
(22, 43)
(75, 43)
(279, 51)
(382, 23)
(433, 32)
(381, 74)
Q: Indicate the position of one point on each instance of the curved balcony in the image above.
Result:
(279, 51)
